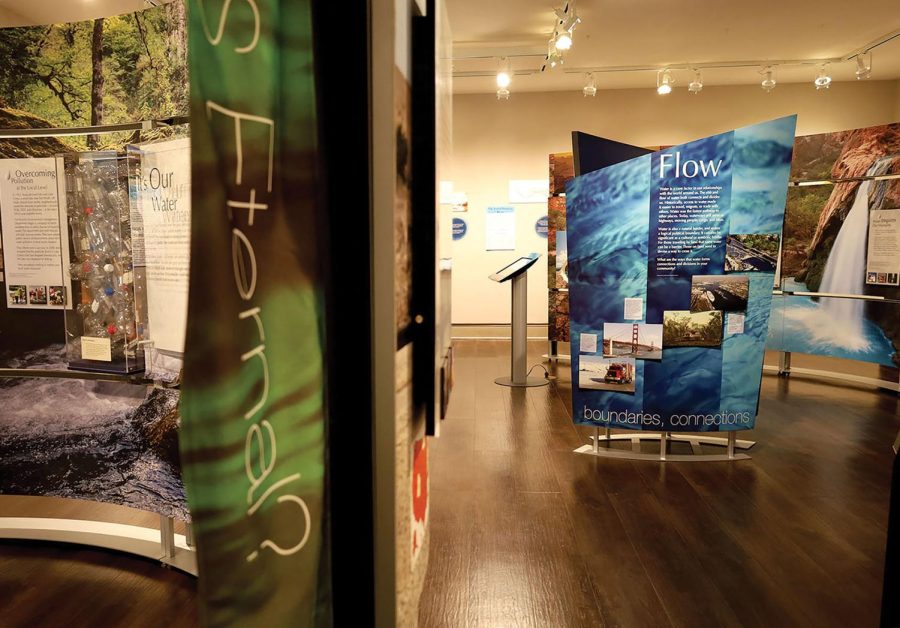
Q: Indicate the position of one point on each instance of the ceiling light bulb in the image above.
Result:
(696, 86)
(590, 89)
(503, 74)
(564, 41)
(823, 79)
(663, 82)
(768, 82)
(863, 65)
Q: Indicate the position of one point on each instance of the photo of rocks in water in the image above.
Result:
(112, 442)
(825, 246)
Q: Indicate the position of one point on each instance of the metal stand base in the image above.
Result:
(695, 440)
(529, 382)
(162, 545)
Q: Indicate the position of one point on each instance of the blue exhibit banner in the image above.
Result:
(671, 267)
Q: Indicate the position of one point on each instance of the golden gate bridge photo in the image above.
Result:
(635, 340)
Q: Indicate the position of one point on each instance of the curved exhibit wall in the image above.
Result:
(841, 236)
(496, 141)
(114, 442)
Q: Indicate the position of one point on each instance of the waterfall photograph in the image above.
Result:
(840, 177)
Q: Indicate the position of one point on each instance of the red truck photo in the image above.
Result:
(619, 373)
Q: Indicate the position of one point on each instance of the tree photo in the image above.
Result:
(112, 70)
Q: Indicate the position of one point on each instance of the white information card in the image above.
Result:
(588, 343)
(165, 197)
(500, 229)
(883, 259)
(634, 309)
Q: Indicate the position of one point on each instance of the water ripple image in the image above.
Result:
(104, 441)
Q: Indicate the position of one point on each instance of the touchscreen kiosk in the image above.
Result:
(519, 266)
(516, 271)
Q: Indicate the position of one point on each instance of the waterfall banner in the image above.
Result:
(830, 247)
(253, 431)
(686, 234)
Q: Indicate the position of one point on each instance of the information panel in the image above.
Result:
(500, 229)
(165, 193)
(668, 265)
(883, 260)
(33, 224)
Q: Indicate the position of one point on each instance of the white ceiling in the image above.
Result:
(38, 12)
(657, 33)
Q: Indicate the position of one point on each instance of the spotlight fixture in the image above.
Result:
(503, 77)
(696, 86)
(863, 65)
(554, 56)
(823, 79)
(664, 82)
(567, 20)
(590, 88)
(768, 82)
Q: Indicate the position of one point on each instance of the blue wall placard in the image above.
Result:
(459, 228)
(540, 227)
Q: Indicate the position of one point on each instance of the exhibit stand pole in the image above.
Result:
(518, 367)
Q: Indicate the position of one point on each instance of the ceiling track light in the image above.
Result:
(696, 86)
(504, 78)
(768, 82)
(664, 82)
(554, 56)
(590, 88)
(564, 29)
(823, 78)
(864, 65)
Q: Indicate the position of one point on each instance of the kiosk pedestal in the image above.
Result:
(517, 273)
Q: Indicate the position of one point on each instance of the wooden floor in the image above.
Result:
(44, 584)
(526, 533)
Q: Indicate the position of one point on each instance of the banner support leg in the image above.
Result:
(663, 445)
(167, 536)
(732, 439)
(784, 363)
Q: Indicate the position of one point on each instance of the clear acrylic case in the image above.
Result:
(104, 327)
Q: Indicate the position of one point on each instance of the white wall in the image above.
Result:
(494, 141)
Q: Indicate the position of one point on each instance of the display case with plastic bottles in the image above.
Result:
(103, 328)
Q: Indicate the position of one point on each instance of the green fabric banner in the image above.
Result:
(253, 435)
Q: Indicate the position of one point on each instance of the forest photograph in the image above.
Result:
(113, 70)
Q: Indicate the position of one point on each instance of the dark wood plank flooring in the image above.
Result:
(526, 533)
